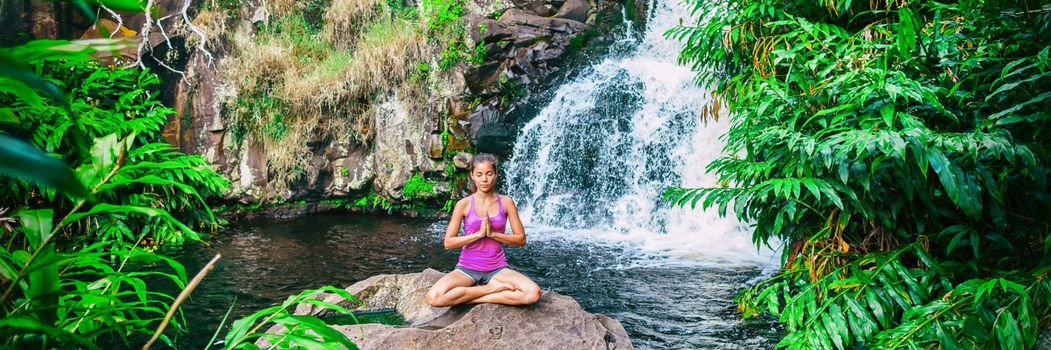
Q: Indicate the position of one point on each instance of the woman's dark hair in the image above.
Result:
(484, 158)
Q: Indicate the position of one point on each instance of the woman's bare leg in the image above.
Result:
(524, 291)
(456, 288)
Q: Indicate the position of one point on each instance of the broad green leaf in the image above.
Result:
(24, 161)
(37, 224)
(34, 326)
(326, 332)
(1007, 332)
(43, 282)
(105, 153)
(15, 68)
(887, 112)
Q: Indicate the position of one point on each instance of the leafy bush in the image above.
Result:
(417, 187)
(442, 14)
(114, 107)
(447, 30)
(900, 152)
(65, 269)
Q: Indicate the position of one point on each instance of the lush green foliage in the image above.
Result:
(447, 30)
(19, 78)
(418, 187)
(114, 109)
(442, 14)
(899, 151)
(67, 279)
(304, 331)
(65, 276)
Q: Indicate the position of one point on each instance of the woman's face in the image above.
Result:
(484, 176)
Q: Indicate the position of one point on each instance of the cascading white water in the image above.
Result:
(592, 165)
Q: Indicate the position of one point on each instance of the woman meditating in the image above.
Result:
(482, 275)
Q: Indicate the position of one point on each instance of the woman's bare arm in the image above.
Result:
(452, 241)
(517, 236)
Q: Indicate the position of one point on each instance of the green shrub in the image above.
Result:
(66, 283)
(373, 201)
(477, 56)
(417, 188)
(899, 151)
(442, 13)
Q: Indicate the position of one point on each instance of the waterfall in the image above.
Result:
(593, 163)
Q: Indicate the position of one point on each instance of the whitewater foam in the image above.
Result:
(591, 166)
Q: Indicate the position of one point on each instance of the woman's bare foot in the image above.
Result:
(500, 286)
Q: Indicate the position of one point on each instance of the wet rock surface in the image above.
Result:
(555, 322)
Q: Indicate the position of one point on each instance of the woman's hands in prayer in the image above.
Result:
(487, 227)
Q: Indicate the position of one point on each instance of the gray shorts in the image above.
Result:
(479, 277)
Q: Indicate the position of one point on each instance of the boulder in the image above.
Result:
(555, 322)
(576, 10)
(253, 168)
(489, 132)
(482, 116)
(481, 77)
(498, 50)
(486, 29)
(523, 63)
(526, 36)
(515, 17)
(549, 54)
(398, 146)
(435, 148)
(463, 160)
(350, 173)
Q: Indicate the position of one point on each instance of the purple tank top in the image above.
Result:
(485, 254)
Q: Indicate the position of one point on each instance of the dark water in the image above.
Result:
(662, 306)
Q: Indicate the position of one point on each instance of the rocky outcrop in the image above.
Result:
(401, 146)
(528, 46)
(555, 322)
(576, 10)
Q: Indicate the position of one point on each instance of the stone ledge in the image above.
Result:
(555, 322)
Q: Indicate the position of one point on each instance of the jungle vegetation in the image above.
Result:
(898, 151)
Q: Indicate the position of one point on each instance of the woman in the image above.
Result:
(482, 275)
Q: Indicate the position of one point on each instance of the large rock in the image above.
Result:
(516, 17)
(576, 10)
(555, 322)
(253, 167)
(487, 29)
(490, 133)
(481, 77)
(399, 145)
(351, 173)
(463, 160)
